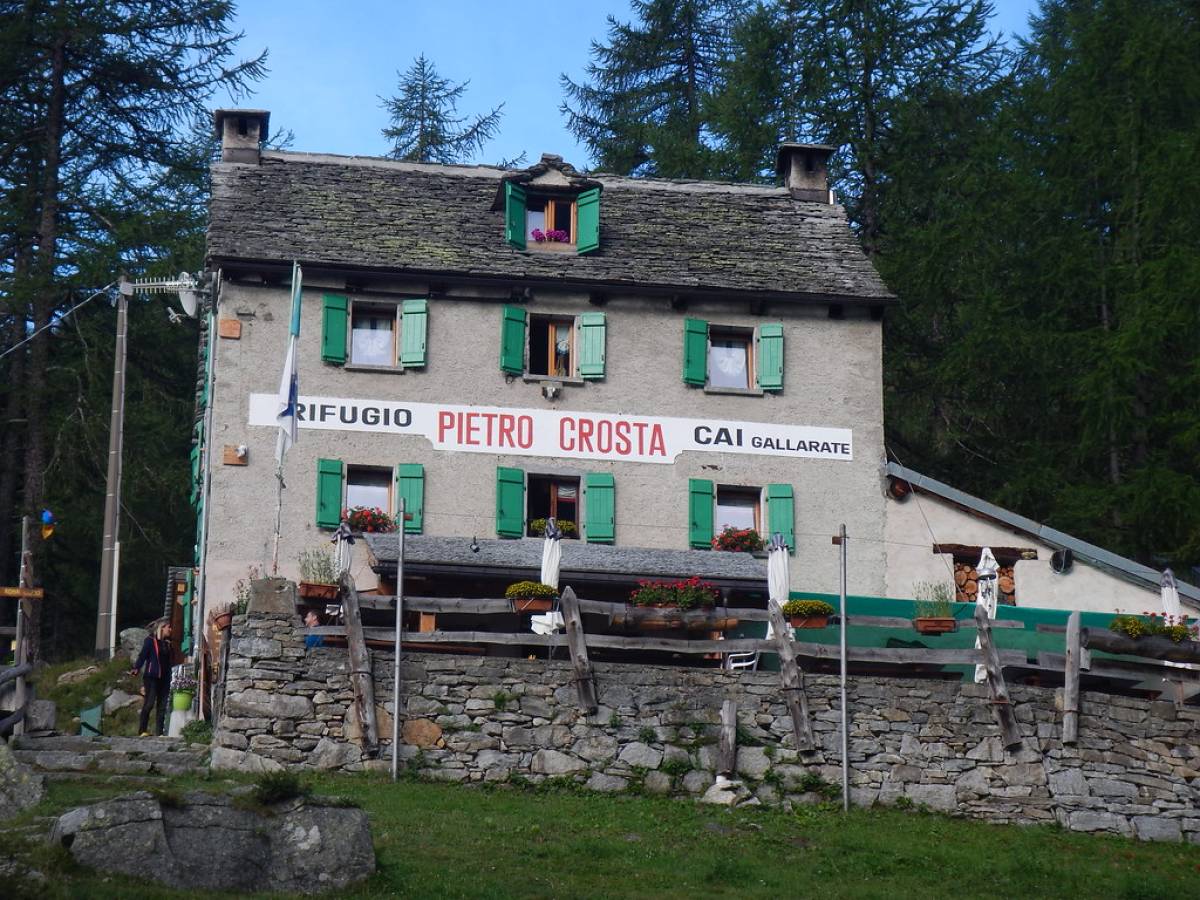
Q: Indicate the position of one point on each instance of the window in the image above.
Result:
(373, 335)
(368, 333)
(340, 487)
(556, 497)
(711, 508)
(588, 501)
(738, 507)
(370, 487)
(730, 358)
(559, 346)
(574, 219)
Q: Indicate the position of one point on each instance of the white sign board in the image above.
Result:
(560, 434)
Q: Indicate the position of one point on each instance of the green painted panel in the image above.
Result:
(700, 513)
(333, 329)
(781, 514)
(695, 351)
(414, 323)
(599, 491)
(510, 502)
(514, 214)
(592, 339)
(587, 221)
(770, 357)
(512, 340)
(329, 493)
(410, 486)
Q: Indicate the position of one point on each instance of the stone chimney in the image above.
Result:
(804, 169)
(242, 132)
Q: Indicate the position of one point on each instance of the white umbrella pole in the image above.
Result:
(399, 620)
(845, 711)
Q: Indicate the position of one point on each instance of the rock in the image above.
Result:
(596, 748)
(974, 782)
(241, 760)
(19, 787)
(330, 754)
(552, 762)
(639, 754)
(696, 781)
(41, 715)
(421, 733)
(273, 595)
(752, 762)
(268, 705)
(1068, 781)
(1093, 820)
(77, 675)
(131, 642)
(607, 784)
(118, 699)
(208, 843)
(936, 796)
(1153, 828)
(726, 793)
(657, 783)
(352, 728)
(257, 647)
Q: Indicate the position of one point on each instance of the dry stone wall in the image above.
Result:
(1135, 771)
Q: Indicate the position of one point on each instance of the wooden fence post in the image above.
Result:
(360, 668)
(727, 747)
(792, 678)
(585, 680)
(1070, 733)
(995, 680)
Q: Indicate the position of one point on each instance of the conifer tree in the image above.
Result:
(425, 126)
(643, 108)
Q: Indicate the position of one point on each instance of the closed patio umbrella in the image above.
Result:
(987, 569)
(551, 554)
(343, 541)
(1170, 595)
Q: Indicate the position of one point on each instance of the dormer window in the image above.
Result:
(550, 208)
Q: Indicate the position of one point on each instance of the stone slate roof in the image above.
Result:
(438, 220)
(578, 557)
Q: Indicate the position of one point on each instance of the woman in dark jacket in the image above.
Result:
(156, 656)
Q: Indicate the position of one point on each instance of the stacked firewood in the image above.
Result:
(966, 584)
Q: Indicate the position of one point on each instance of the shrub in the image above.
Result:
(275, 787)
(688, 594)
(530, 590)
(537, 527)
(738, 540)
(933, 600)
(368, 519)
(317, 566)
(198, 732)
(807, 608)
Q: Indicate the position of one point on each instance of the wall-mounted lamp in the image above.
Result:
(474, 545)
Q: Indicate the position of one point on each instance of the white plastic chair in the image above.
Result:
(745, 660)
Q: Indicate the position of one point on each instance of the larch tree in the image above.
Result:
(425, 125)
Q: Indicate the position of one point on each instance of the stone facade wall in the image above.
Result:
(1135, 771)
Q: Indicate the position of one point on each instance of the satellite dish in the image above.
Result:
(188, 299)
(1061, 561)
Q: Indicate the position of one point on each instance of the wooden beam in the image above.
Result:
(1006, 556)
(691, 619)
(1001, 703)
(585, 680)
(360, 666)
(1151, 647)
(727, 745)
(1070, 733)
(792, 679)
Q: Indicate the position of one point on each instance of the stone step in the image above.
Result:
(148, 759)
(80, 743)
(133, 780)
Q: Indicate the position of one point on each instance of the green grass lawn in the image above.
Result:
(71, 698)
(435, 840)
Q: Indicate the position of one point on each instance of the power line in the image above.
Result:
(53, 322)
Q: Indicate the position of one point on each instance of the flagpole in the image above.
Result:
(286, 414)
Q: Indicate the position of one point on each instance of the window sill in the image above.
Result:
(558, 379)
(363, 367)
(533, 246)
(738, 392)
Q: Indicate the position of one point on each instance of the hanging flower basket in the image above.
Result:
(181, 700)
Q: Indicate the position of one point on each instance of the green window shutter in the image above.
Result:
(194, 456)
(329, 493)
(599, 491)
(510, 502)
(414, 324)
(781, 514)
(587, 221)
(514, 214)
(410, 486)
(700, 513)
(695, 351)
(592, 327)
(770, 357)
(333, 331)
(512, 340)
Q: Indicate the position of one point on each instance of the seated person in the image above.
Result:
(312, 620)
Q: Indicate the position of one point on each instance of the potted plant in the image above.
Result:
(368, 520)
(690, 593)
(318, 575)
(183, 688)
(738, 540)
(808, 613)
(220, 616)
(537, 527)
(531, 596)
(934, 614)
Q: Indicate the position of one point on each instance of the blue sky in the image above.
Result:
(330, 63)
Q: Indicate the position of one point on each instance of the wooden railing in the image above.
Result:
(17, 716)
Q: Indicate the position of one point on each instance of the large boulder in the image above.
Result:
(131, 640)
(211, 842)
(19, 787)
